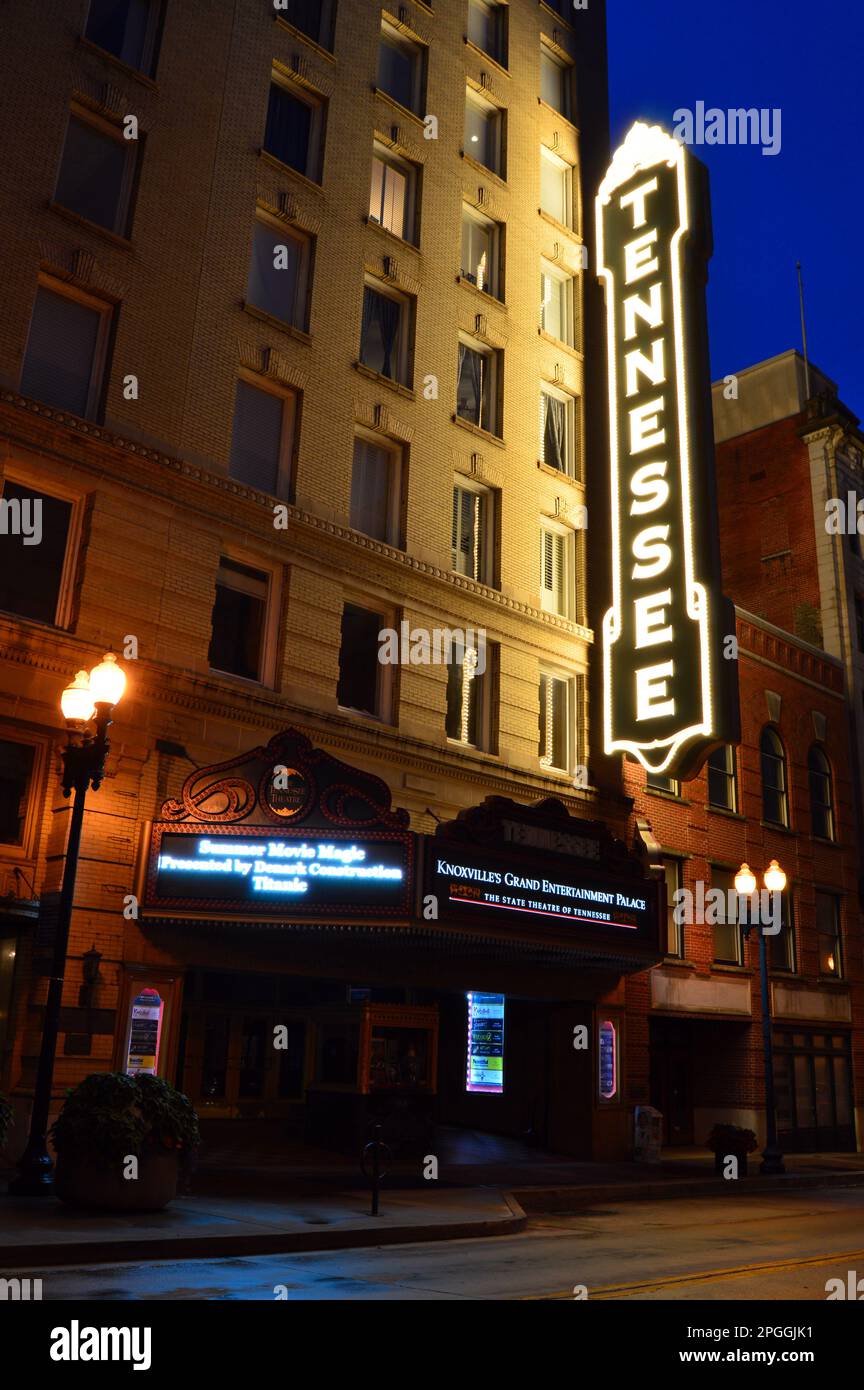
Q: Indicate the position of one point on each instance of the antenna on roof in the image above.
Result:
(803, 330)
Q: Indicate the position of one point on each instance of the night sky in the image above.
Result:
(804, 203)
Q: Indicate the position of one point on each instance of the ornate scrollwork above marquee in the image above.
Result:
(287, 781)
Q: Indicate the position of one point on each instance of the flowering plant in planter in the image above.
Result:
(110, 1116)
(732, 1139)
(5, 1120)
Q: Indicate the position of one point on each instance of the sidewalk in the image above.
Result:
(325, 1209)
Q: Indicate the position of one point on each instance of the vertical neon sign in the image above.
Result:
(669, 694)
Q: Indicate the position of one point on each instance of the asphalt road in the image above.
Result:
(761, 1248)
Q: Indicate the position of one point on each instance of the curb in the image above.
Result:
(537, 1200)
(216, 1247)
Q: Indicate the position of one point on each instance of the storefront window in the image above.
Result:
(16, 770)
(338, 1047)
(215, 1062)
(400, 1058)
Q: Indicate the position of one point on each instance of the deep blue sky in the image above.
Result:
(804, 203)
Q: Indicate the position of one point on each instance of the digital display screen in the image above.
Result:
(485, 1071)
(264, 871)
(481, 885)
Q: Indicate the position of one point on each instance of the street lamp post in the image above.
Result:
(88, 698)
(745, 884)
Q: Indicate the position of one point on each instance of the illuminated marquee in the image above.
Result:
(670, 696)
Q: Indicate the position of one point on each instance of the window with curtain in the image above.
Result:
(555, 716)
(360, 684)
(277, 273)
(775, 796)
(483, 133)
(239, 612)
(727, 932)
(554, 82)
(16, 772)
(469, 535)
(675, 939)
(95, 174)
(828, 935)
(60, 362)
(375, 490)
(479, 252)
(486, 28)
(124, 28)
(555, 570)
(555, 188)
(464, 696)
(31, 576)
(381, 334)
(554, 433)
(821, 797)
(399, 69)
(258, 437)
(389, 199)
(288, 133)
(722, 780)
(556, 299)
(474, 391)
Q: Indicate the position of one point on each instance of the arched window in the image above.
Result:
(821, 796)
(775, 785)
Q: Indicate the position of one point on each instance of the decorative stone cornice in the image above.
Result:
(395, 138)
(380, 418)
(287, 206)
(103, 97)
(405, 20)
(299, 69)
(77, 266)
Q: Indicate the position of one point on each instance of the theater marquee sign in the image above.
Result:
(670, 692)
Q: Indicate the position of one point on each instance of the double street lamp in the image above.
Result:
(745, 884)
(87, 705)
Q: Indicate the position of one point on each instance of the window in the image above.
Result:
(722, 779)
(781, 945)
(376, 487)
(262, 438)
(674, 930)
(468, 703)
(400, 70)
(859, 621)
(483, 140)
(360, 671)
(33, 575)
(555, 82)
(775, 799)
(96, 173)
(65, 355)
(556, 304)
(17, 761)
(294, 131)
(238, 624)
(658, 783)
(821, 798)
(126, 28)
(279, 273)
(556, 431)
(556, 719)
(556, 185)
(727, 932)
(313, 18)
(556, 570)
(471, 538)
(828, 935)
(476, 391)
(486, 28)
(393, 194)
(384, 334)
(480, 240)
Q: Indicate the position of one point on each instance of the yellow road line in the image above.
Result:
(707, 1276)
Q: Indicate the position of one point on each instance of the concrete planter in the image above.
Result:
(86, 1184)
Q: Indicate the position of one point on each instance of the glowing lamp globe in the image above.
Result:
(107, 680)
(745, 881)
(76, 702)
(775, 879)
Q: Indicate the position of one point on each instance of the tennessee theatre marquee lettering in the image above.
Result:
(666, 693)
